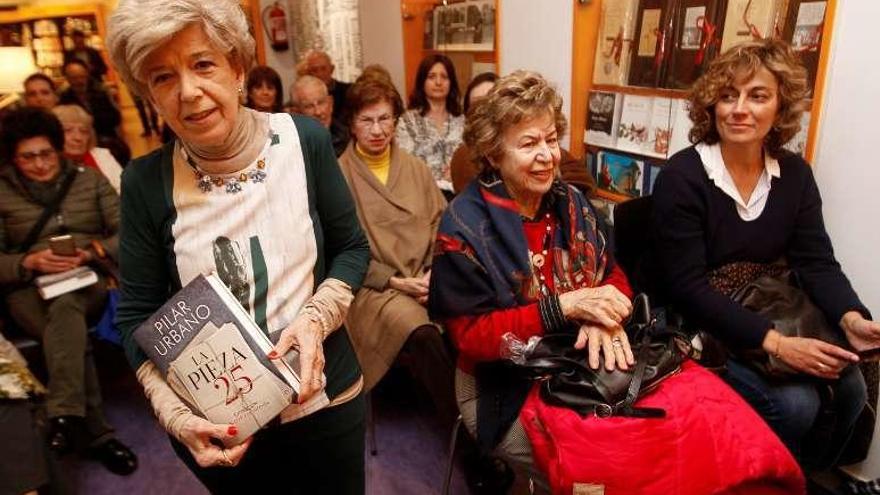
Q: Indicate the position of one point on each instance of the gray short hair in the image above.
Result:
(137, 27)
(304, 81)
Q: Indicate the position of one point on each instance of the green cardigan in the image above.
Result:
(147, 255)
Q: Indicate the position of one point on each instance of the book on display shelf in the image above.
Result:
(651, 40)
(804, 23)
(635, 118)
(652, 170)
(603, 117)
(644, 126)
(693, 41)
(798, 143)
(214, 357)
(620, 175)
(681, 124)
(659, 128)
(747, 20)
(614, 50)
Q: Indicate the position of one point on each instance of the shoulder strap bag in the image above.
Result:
(48, 211)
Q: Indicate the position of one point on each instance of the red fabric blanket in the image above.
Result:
(711, 442)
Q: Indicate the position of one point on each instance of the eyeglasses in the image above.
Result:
(384, 121)
(314, 105)
(31, 156)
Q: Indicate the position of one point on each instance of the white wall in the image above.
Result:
(539, 38)
(382, 37)
(846, 163)
(282, 62)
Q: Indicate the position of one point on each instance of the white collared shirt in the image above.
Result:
(713, 162)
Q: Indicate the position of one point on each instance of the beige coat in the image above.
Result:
(400, 219)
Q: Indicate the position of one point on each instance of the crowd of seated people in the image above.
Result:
(434, 230)
(37, 178)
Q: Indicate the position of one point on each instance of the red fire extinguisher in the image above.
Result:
(275, 24)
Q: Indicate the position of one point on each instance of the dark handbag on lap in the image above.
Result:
(770, 290)
(567, 379)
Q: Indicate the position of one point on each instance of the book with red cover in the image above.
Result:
(694, 41)
(804, 22)
(651, 37)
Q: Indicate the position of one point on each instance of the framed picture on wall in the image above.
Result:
(466, 26)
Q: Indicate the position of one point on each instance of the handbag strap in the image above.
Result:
(626, 407)
(48, 211)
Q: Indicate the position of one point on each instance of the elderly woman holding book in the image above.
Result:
(259, 199)
(43, 195)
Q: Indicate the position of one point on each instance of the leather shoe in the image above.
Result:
(65, 433)
(489, 476)
(115, 456)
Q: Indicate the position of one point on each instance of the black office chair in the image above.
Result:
(633, 244)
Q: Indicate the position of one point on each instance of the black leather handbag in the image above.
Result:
(772, 290)
(792, 314)
(568, 380)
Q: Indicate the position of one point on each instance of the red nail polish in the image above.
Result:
(232, 430)
(273, 355)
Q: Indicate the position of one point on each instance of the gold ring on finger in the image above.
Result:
(226, 460)
(822, 366)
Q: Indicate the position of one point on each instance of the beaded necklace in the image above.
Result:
(538, 260)
(232, 182)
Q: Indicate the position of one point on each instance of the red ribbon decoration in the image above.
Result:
(708, 30)
(752, 28)
(661, 52)
(816, 42)
(616, 47)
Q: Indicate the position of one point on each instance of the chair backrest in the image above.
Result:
(634, 246)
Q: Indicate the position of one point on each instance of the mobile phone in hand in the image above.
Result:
(62, 245)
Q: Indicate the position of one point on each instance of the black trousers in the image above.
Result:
(430, 360)
(320, 454)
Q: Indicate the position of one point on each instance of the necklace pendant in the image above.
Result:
(233, 186)
(205, 184)
(545, 291)
(538, 260)
(257, 175)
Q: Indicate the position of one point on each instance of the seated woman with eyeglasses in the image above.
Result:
(399, 207)
(33, 140)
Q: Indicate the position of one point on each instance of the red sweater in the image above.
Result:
(478, 338)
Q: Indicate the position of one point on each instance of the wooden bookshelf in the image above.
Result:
(586, 22)
(641, 91)
(610, 196)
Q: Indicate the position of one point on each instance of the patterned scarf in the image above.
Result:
(493, 271)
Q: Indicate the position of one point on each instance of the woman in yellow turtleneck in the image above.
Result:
(399, 207)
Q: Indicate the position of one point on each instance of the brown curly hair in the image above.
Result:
(516, 97)
(743, 61)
